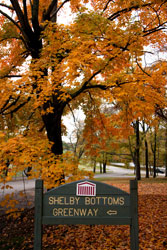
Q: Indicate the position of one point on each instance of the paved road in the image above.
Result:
(116, 172)
(19, 185)
(24, 184)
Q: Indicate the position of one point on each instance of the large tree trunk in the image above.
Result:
(53, 127)
(52, 123)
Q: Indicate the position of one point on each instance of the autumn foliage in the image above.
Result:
(48, 69)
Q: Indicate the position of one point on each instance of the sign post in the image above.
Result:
(86, 202)
(38, 215)
(134, 228)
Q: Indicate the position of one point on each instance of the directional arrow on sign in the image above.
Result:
(111, 212)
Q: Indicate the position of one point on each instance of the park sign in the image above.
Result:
(86, 202)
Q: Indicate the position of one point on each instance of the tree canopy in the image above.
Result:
(48, 69)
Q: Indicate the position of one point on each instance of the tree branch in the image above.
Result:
(134, 7)
(142, 68)
(105, 87)
(4, 108)
(83, 87)
(26, 29)
(35, 10)
(106, 6)
(158, 28)
(6, 103)
(25, 8)
(47, 13)
(18, 107)
(61, 5)
(6, 6)
(11, 76)
(13, 21)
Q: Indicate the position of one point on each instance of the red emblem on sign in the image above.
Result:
(86, 188)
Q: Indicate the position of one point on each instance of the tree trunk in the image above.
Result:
(133, 154)
(94, 166)
(154, 154)
(104, 163)
(52, 123)
(104, 167)
(146, 159)
(138, 175)
(100, 167)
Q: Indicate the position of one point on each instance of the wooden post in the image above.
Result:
(134, 228)
(38, 215)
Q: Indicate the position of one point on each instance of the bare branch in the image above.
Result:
(106, 6)
(155, 29)
(105, 87)
(47, 13)
(5, 107)
(126, 10)
(72, 113)
(6, 103)
(157, 15)
(142, 68)
(13, 21)
(6, 6)
(18, 107)
(11, 76)
(61, 5)
(85, 84)
(83, 87)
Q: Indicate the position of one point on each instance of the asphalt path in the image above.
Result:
(16, 186)
(22, 184)
(116, 172)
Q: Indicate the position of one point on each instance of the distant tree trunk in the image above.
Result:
(104, 167)
(7, 167)
(101, 168)
(146, 151)
(154, 153)
(104, 162)
(138, 174)
(146, 159)
(94, 166)
(133, 155)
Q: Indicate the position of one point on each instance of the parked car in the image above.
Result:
(159, 171)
